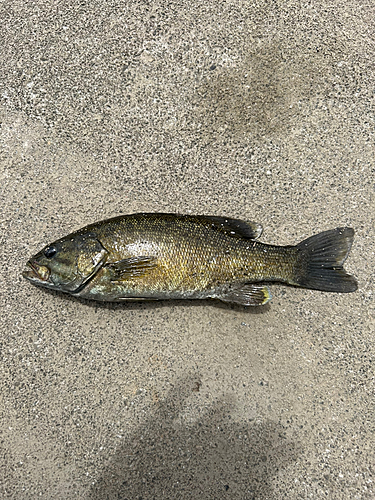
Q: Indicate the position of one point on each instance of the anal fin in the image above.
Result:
(246, 294)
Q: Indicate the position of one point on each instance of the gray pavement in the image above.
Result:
(258, 110)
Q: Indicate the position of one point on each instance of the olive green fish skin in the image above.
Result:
(168, 256)
(192, 259)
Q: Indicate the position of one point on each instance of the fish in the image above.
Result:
(159, 256)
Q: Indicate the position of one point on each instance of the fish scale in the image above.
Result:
(170, 256)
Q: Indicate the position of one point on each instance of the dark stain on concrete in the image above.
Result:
(263, 95)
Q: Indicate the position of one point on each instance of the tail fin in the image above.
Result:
(321, 261)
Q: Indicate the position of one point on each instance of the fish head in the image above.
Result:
(67, 264)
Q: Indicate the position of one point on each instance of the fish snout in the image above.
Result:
(35, 271)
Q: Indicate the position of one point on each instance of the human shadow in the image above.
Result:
(169, 457)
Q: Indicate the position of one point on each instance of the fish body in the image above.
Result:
(169, 256)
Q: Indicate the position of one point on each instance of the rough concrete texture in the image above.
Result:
(254, 109)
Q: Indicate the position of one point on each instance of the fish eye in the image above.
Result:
(49, 252)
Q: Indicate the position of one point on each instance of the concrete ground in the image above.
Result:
(260, 110)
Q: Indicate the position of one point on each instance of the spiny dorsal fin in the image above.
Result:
(130, 268)
(235, 227)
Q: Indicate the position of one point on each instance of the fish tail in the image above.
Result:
(321, 259)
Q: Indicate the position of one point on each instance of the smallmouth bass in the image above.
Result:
(159, 256)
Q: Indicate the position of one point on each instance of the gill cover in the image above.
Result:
(91, 256)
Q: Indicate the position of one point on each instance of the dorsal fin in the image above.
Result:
(235, 227)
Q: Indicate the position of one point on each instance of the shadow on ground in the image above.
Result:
(213, 457)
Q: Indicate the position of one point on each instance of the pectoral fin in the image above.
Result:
(246, 294)
(131, 268)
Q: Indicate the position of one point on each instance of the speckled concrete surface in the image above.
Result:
(259, 110)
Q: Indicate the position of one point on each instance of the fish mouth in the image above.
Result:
(35, 271)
